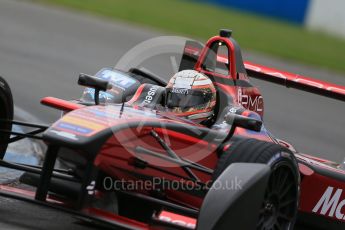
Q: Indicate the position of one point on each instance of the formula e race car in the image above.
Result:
(129, 163)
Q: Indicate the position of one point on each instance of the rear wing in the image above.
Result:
(193, 49)
(295, 81)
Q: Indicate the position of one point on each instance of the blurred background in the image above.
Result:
(309, 31)
(45, 44)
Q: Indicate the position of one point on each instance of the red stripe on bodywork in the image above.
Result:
(136, 95)
(296, 81)
(176, 219)
(60, 104)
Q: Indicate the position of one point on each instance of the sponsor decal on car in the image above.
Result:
(65, 134)
(251, 102)
(331, 204)
(117, 78)
(73, 127)
(90, 120)
(319, 164)
(78, 126)
(150, 95)
(179, 90)
(177, 220)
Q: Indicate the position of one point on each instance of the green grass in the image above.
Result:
(201, 21)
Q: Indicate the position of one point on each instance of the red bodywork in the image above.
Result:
(313, 184)
(322, 182)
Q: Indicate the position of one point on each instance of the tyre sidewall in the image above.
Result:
(6, 113)
(286, 158)
(255, 151)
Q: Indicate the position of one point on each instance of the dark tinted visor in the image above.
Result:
(188, 99)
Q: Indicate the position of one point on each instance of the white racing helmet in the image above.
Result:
(191, 94)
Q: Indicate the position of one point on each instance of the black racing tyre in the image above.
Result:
(6, 113)
(280, 206)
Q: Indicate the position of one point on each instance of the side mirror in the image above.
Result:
(244, 122)
(236, 120)
(95, 83)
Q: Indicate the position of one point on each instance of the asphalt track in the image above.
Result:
(42, 51)
(20, 216)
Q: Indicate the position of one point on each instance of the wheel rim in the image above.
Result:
(280, 201)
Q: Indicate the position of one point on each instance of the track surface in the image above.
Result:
(42, 51)
(21, 217)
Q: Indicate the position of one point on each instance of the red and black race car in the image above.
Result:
(129, 163)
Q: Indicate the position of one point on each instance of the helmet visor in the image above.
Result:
(187, 99)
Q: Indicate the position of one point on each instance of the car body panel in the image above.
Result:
(119, 140)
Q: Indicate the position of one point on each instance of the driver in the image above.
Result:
(192, 95)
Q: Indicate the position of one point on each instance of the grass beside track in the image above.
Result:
(201, 21)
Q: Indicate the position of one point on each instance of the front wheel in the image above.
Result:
(280, 206)
(6, 114)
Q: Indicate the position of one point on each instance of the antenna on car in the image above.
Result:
(225, 33)
(123, 100)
